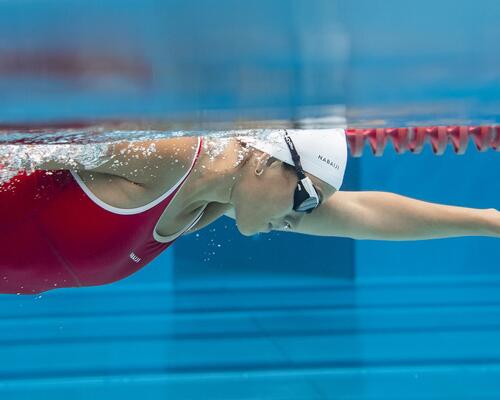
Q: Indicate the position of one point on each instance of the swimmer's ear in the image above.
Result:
(261, 163)
(272, 160)
(268, 162)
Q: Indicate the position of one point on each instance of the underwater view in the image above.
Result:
(282, 199)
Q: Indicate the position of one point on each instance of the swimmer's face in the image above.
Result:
(264, 202)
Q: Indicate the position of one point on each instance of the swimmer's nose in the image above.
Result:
(289, 222)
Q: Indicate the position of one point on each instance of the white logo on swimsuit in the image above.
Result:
(329, 162)
(134, 257)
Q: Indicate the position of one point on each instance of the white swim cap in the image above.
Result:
(323, 152)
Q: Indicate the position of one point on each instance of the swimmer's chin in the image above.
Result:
(253, 231)
(246, 232)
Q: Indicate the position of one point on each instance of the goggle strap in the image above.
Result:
(295, 157)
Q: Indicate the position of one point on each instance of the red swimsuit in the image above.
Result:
(56, 233)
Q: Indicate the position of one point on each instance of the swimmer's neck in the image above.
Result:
(218, 168)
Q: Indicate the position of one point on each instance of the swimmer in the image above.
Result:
(71, 225)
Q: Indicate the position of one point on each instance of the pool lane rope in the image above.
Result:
(413, 139)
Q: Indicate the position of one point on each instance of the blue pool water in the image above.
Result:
(221, 316)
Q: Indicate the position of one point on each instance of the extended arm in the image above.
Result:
(388, 216)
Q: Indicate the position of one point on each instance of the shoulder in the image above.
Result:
(175, 157)
(151, 162)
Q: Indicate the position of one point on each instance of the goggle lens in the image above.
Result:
(305, 200)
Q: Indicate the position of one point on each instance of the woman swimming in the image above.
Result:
(70, 225)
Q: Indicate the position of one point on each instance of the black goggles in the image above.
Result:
(305, 197)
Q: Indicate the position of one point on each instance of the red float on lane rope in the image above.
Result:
(414, 139)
